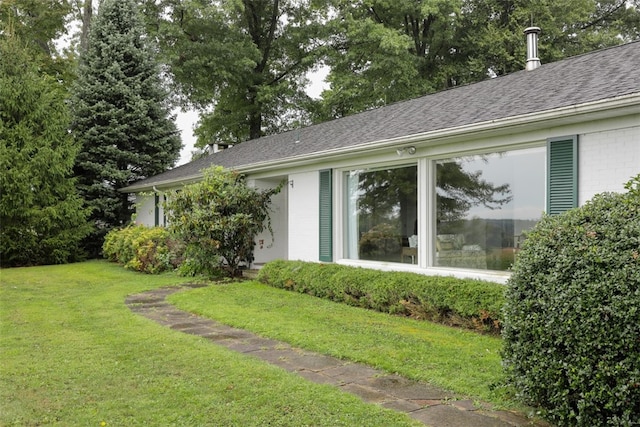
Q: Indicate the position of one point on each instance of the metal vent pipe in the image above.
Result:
(533, 61)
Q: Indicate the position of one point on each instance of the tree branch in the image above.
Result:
(284, 74)
(375, 15)
(270, 34)
(605, 16)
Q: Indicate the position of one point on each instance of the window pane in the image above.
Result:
(381, 214)
(485, 206)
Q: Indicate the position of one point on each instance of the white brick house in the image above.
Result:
(464, 172)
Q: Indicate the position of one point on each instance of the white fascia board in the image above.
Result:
(164, 185)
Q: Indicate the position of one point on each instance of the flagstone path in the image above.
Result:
(428, 404)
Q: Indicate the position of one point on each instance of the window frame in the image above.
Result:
(426, 212)
(344, 195)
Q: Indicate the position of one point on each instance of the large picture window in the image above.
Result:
(381, 214)
(485, 206)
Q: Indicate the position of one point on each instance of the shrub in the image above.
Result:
(459, 302)
(118, 247)
(218, 219)
(572, 314)
(140, 248)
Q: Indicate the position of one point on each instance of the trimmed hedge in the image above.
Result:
(572, 314)
(146, 249)
(458, 302)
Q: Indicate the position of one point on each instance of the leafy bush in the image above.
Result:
(117, 246)
(140, 248)
(572, 314)
(460, 302)
(218, 219)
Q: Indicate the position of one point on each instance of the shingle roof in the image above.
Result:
(600, 75)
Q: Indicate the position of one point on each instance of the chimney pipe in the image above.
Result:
(533, 61)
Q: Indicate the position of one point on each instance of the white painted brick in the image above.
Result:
(303, 216)
(607, 160)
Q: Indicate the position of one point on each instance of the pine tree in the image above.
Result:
(42, 218)
(120, 115)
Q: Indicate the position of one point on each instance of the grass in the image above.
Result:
(71, 353)
(461, 361)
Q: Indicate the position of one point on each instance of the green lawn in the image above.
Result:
(461, 361)
(72, 354)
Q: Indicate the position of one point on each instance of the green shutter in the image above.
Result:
(157, 210)
(326, 216)
(562, 174)
(164, 213)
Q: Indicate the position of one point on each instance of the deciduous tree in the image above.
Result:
(386, 51)
(242, 63)
(491, 30)
(38, 24)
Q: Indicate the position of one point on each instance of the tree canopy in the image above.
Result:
(385, 51)
(38, 24)
(243, 64)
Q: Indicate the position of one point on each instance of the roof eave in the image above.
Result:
(575, 113)
(610, 107)
(164, 184)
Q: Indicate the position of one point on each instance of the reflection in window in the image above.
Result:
(485, 206)
(381, 213)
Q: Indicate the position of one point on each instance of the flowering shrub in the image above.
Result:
(572, 314)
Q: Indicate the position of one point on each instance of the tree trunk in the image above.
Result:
(87, 12)
(255, 115)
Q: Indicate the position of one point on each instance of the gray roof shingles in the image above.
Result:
(599, 75)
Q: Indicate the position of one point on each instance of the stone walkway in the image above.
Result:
(430, 405)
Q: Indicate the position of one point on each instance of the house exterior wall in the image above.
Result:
(608, 155)
(267, 247)
(607, 160)
(303, 216)
(145, 209)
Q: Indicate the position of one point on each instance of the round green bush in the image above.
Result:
(572, 314)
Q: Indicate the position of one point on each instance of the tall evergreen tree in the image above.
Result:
(120, 115)
(42, 216)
